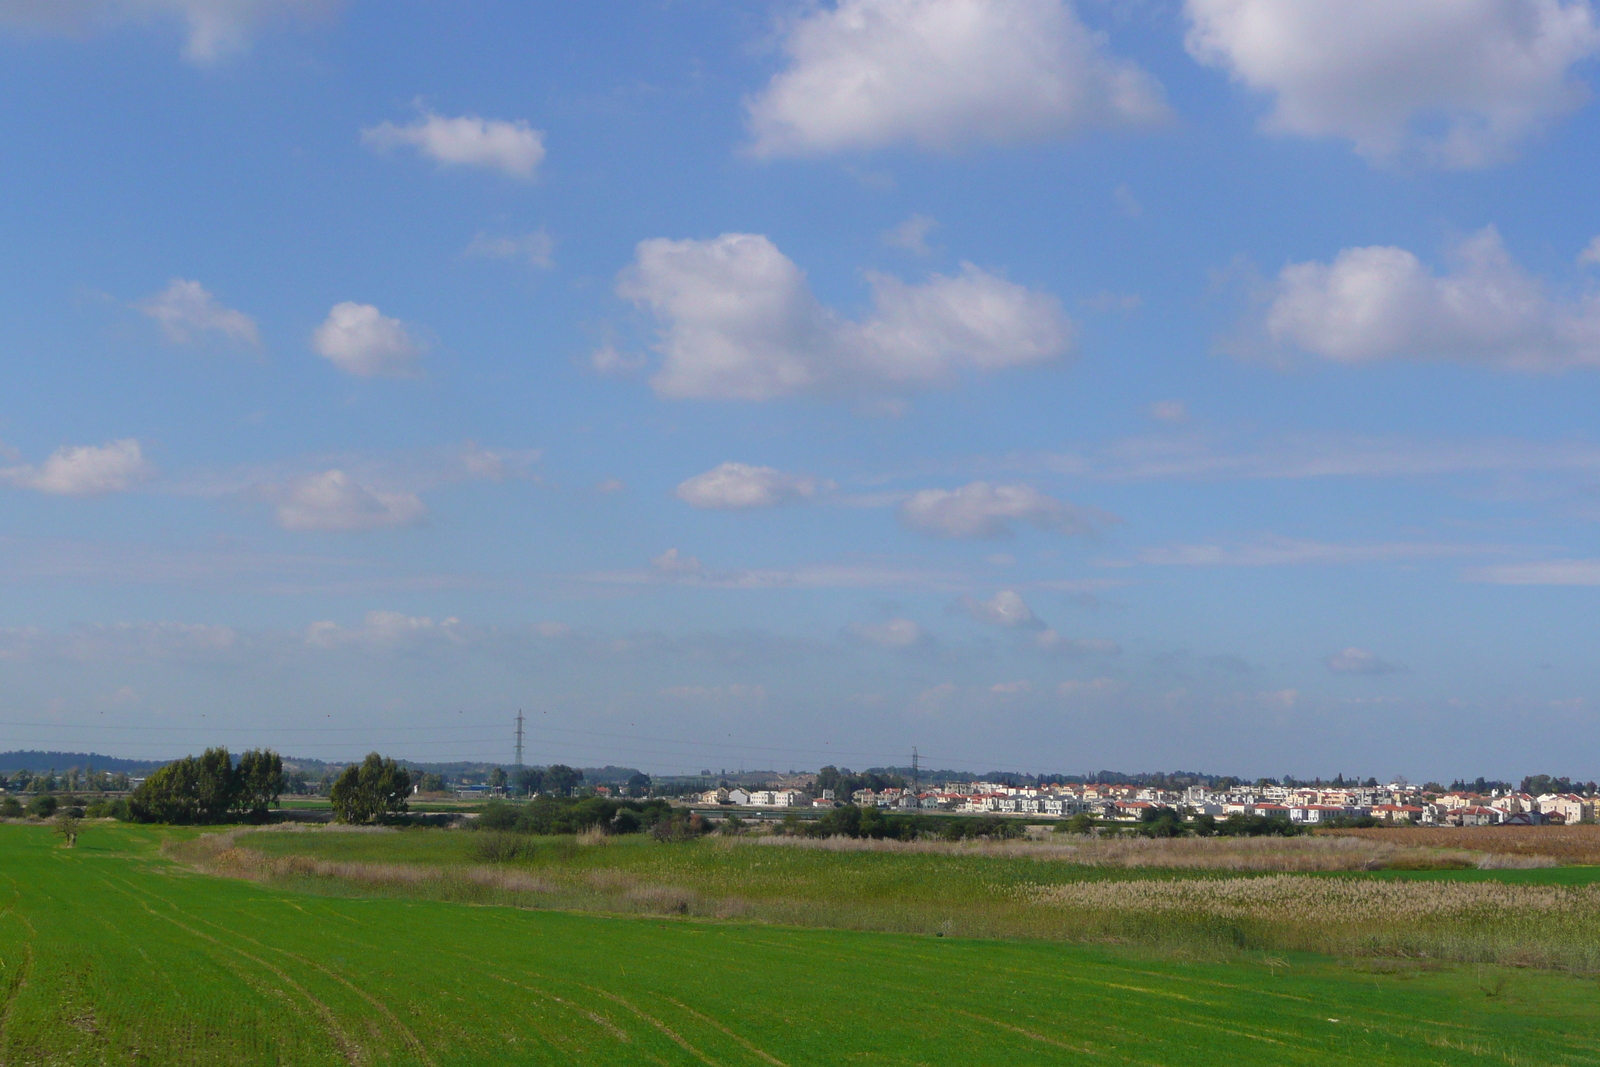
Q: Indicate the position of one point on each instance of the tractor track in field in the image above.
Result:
(351, 1049)
(406, 1033)
(11, 985)
(599, 1020)
(763, 1053)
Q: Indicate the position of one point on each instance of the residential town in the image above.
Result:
(1396, 802)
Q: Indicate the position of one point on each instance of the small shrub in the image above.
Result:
(107, 809)
(42, 806)
(10, 808)
(497, 846)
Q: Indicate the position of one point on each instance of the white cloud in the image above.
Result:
(912, 235)
(215, 29)
(84, 470)
(1058, 644)
(1005, 608)
(1456, 82)
(552, 631)
(670, 562)
(1010, 688)
(982, 510)
(1325, 456)
(383, 630)
(332, 500)
(1097, 687)
(672, 567)
(894, 634)
(360, 340)
(1580, 572)
(737, 486)
(1283, 551)
(1381, 303)
(185, 309)
(941, 74)
(1590, 253)
(738, 321)
(1360, 661)
(537, 249)
(510, 147)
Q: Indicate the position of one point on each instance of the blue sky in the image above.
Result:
(1048, 385)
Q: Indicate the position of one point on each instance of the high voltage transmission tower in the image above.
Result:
(519, 739)
(916, 773)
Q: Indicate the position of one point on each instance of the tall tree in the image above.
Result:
(260, 781)
(376, 786)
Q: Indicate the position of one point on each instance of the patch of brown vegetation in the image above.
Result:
(1563, 844)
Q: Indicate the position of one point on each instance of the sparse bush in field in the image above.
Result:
(1258, 826)
(1081, 823)
(42, 806)
(107, 809)
(680, 826)
(497, 846)
(67, 827)
(731, 826)
(10, 808)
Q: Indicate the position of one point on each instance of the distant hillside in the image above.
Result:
(39, 762)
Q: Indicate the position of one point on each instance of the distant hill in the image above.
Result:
(39, 762)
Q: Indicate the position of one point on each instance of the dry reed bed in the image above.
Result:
(1265, 854)
(1294, 899)
(1562, 844)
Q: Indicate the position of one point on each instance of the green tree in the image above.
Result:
(258, 782)
(431, 783)
(10, 808)
(217, 785)
(374, 787)
(639, 785)
(561, 779)
(43, 806)
(497, 778)
(67, 827)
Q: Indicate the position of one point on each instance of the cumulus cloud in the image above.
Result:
(979, 510)
(214, 29)
(468, 141)
(894, 634)
(361, 340)
(1456, 82)
(84, 470)
(738, 321)
(1360, 661)
(1005, 608)
(186, 311)
(1381, 303)
(738, 486)
(332, 500)
(941, 74)
(537, 249)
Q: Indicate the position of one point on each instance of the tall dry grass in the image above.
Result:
(1561, 844)
(1219, 908)
(1264, 854)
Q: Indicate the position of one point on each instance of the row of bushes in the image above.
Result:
(573, 815)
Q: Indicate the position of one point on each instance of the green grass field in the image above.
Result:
(113, 954)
